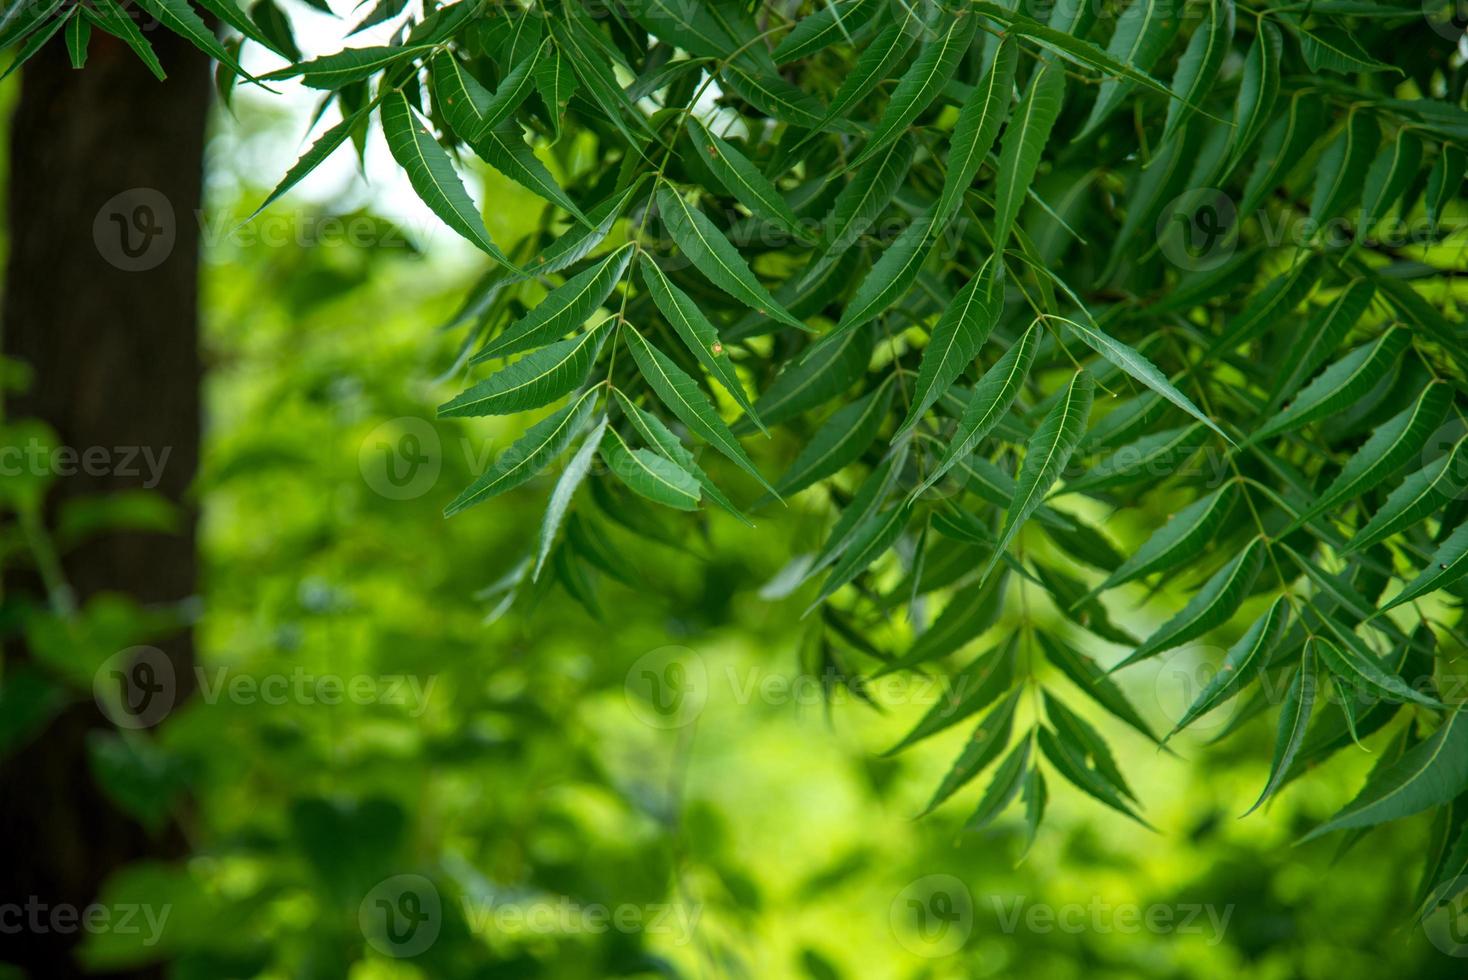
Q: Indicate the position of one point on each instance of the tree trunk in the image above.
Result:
(101, 300)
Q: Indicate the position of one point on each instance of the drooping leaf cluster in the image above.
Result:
(998, 272)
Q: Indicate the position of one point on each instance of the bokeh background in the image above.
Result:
(508, 794)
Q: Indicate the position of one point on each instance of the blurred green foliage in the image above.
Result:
(510, 770)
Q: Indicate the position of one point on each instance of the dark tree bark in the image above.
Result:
(101, 298)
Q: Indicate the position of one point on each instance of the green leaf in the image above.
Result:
(181, 19)
(860, 203)
(869, 543)
(110, 17)
(839, 441)
(1072, 48)
(1134, 363)
(1320, 339)
(335, 71)
(956, 339)
(873, 66)
(837, 21)
(696, 332)
(1443, 181)
(687, 401)
(1294, 715)
(741, 178)
(1285, 141)
(1034, 795)
(1427, 775)
(832, 365)
(1241, 663)
(1418, 496)
(1258, 90)
(1266, 307)
(710, 252)
(1449, 564)
(657, 435)
(1046, 454)
(1362, 673)
(78, 35)
(1093, 682)
(536, 379)
(560, 499)
(1212, 606)
(969, 613)
(1337, 387)
(968, 692)
(1069, 760)
(650, 475)
(324, 146)
(893, 274)
(1154, 455)
(505, 150)
(1143, 32)
(471, 111)
(555, 81)
(1178, 541)
(1328, 48)
(1199, 65)
(529, 454)
(989, 403)
(1084, 741)
(933, 67)
(1342, 168)
(563, 310)
(1003, 788)
(1024, 140)
(983, 112)
(1394, 168)
(432, 174)
(990, 737)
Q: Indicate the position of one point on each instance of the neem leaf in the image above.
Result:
(1046, 454)
(711, 253)
(1212, 606)
(1429, 774)
(529, 454)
